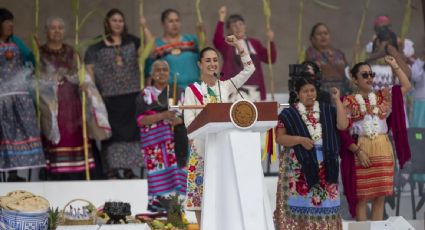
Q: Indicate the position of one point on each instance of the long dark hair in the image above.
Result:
(107, 27)
(356, 68)
(167, 12)
(298, 84)
(5, 14)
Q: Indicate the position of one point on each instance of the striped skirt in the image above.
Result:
(165, 178)
(20, 143)
(377, 180)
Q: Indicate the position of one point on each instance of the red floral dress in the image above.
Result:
(297, 205)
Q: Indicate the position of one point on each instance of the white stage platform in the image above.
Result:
(135, 192)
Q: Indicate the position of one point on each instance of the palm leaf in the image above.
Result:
(406, 19)
(326, 5)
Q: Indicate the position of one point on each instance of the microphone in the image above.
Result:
(237, 89)
(219, 88)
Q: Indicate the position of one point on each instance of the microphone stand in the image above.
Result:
(219, 88)
(237, 89)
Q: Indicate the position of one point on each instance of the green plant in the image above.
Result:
(53, 218)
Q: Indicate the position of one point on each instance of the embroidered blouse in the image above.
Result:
(357, 118)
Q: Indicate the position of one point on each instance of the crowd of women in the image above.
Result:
(335, 112)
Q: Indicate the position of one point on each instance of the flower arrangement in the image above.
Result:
(311, 119)
(371, 124)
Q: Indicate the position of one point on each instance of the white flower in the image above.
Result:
(371, 124)
(314, 130)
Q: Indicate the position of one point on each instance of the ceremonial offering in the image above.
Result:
(78, 212)
(22, 210)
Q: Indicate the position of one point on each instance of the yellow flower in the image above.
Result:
(193, 161)
(191, 176)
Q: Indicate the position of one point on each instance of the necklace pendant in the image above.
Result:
(176, 51)
(119, 61)
(8, 54)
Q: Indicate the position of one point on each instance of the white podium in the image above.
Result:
(234, 194)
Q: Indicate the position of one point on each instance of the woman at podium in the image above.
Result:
(307, 194)
(209, 90)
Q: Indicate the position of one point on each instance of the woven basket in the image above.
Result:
(65, 221)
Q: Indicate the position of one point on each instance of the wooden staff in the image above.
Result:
(202, 39)
(81, 75)
(142, 47)
(300, 53)
(36, 50)
(267, 15)
(356, 56)
(406, 20)
(175, 89)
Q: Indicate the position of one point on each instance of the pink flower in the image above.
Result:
(171, 159)
(150, 164)
(316, 200)
(332, 191)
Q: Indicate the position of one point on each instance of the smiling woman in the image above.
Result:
(112, 63)
(373, 153)
(210, 90)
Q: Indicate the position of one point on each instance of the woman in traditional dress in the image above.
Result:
(62, 118)
(113, 64)
(255, 87)
(370, 178)
(156, 125)
(20, 144)
(330, 60)
(209, 90)
(307, 192)
(179, 50)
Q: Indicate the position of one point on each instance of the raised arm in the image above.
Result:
(144, 25)
(401, 60)
(341, 115)
(406, 86)
(219, 40)
(248, 65)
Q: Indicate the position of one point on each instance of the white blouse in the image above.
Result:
(358, 126)
(226, 88)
